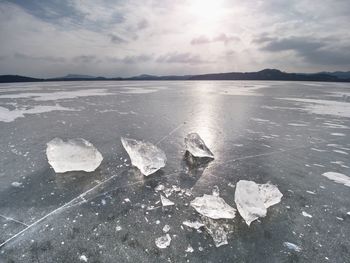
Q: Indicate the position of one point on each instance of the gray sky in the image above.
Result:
(52, 38)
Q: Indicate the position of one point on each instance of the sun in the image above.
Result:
(208, 10)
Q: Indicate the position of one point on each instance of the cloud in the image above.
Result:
(85, 59)
(142, 24)
(184, 58)
(131, 59)
(312, 50)
(219, 38)
(200, 40)
(39, 58)
(117, 39)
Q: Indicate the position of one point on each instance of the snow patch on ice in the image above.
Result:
(338, 178)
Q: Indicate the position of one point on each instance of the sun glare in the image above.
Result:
(206, 9)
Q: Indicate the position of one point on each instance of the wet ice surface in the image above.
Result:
(115, 212)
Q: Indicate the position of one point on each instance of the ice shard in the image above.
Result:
(213, 206)
(195, 224)
(196, 146)
(217, 230)
(72, 155)
(165, 201)
(147, 157)
(253, 199)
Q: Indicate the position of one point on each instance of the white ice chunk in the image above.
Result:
(163, 241)
(144, 155)
(253, 199)
(72, 155)
(338, 178)
(165, 201)
(306, 214)
(83, 258)
(189, 249)
(196, 146)
(166, 228)
(195, 224)
(292, 246)
(16, 184)
(213, 206)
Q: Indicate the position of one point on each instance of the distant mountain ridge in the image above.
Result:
(266, 74)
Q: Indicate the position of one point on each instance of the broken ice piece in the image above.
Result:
(16, 184)
(194, 224)
(252, 199)
(292, 246)
(213, 206)
(144, 155)
(196, 146)
(166, 228)
(189, 249)
(72, 155)
(159, 187)
(165, 201)
(163, 241)
(218, 231)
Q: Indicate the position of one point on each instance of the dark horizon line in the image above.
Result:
(265, 74)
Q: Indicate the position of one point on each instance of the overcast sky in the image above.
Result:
(52, 38)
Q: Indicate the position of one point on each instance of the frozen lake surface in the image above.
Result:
(295, 135)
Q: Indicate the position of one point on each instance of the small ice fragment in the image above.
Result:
(253, 199)
(306, 214)
(166, 228)
(127, 200)
(189, 249)
(338, 178)
(163, 241)
(118, 228)
(144, 155)
(165, 201)
(73, 155)
(213, 206)
(196, 146)
(216, 191)
(348, 213)
(159, 187)
(16, 184)
(157, 222)
(340, 218)
(194, 224)
(83, 258)
(217, 231)
(292, 246)
(311, 193)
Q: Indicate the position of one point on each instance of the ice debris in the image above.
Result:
(338, 178)
(144, 155)
(16, 184)
(73, 155)
(83, 258)
(195, 224)
(253, 199)
(163, 241)
(166, 229)
(165, 201)
(306, 214)
(292, 246)
(217, 230)
(213, 206)
(196, 146)
(189, 249)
